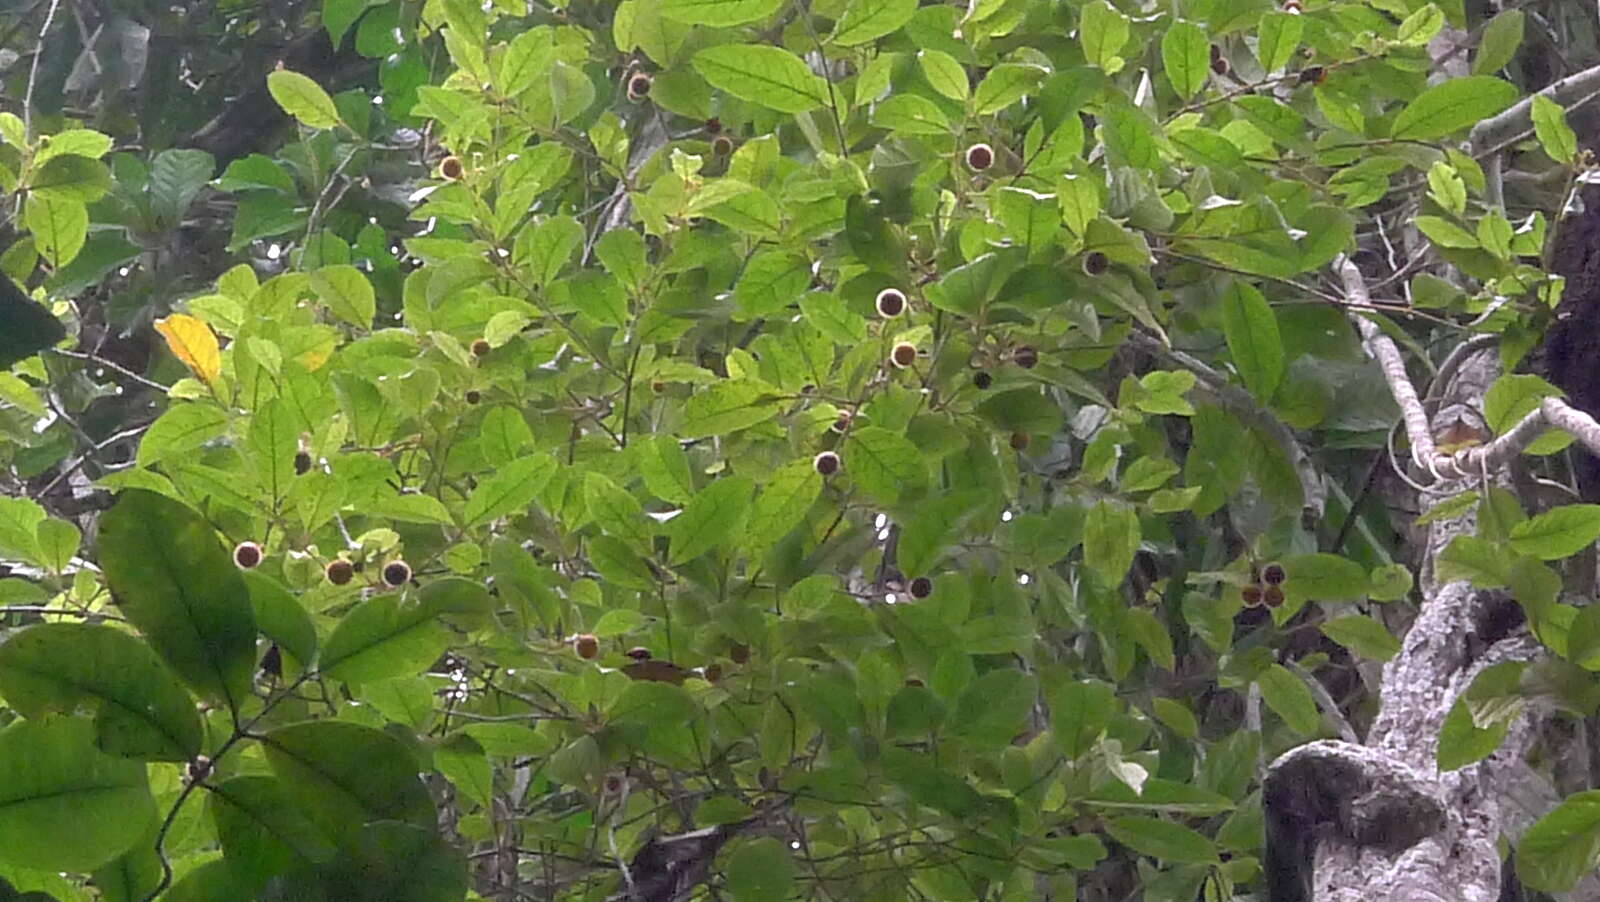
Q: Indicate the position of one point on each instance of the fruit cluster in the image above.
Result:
(1266, 586)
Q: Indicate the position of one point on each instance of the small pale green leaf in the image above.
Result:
(1363, 635)
(1555, 135)
(718, 13)
(945, 74)
(1560, 532)
(1186, 54)
(865, 21)
(1501, 38)
(347, 293)
(1278, 39)
(1289, 696)
(1251, 330)
(769, 76)
(1111, 537)
(1452, 105)
(303, 99)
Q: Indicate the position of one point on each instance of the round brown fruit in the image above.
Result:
(1250, 595)
(302, 463)
(639, 653)
(921, 587)
(980, 157)
(722, 145)
(451, 168)
(713, 125)
(739, 653)
(982, 380)
(1220, 65)
(1313, 75)
(339, 572)
(1274, 574)
(1216, 52)
(713, 672)
(396, 573)
(638, 86)
(827, 463)
(587, 646)
(842, 423)
(903, 355)
(247, 555)
(1096, 263)
(1293, 6)
(1019, 441)
(891, 303)
(1025, 356)
(480, 348)
(474, 396)
(658, 386)
(1273, 596)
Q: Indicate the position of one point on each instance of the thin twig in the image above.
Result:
(33, 70)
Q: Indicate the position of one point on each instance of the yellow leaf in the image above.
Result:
(193, 342)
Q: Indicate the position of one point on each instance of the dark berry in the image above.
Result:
(891, 303)
(1096, 263)
(1251, 595)
(1313, 75)
(1019, 441)
(915, 683)
(1273, 596)
(1274, 574)
(587, 646)
(474, 396)
(739, 653)
(638, 86)
(480, 348)
(340, 572)
(826, 463)
(1025, 356)
(903, 355)
(982, 380)
(451, 168)
(980, 157)
(921, 587)
(639, 653)
(722, 145)
(247, 555)
(396, 573)
(272, 661)
(842, 423)
(1220, 66)
(302, 463)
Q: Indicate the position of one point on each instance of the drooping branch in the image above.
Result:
(1571, 92)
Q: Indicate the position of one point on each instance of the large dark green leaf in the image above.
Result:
(174, 581)
(1453, 105)
(261, 830)
(343, 775)
(64, 804)
(384, 637)
(141, 709)
(26, 327)
(1558, 850)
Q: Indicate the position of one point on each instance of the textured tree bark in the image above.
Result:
(1378, 822)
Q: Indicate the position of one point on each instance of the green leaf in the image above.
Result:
(64, 804)
(727, 407)
(994, 708)
(384, 637)
(883, 463)
(1325, 577)
(1560, 532)
(1251, 330)
(343, 775)
(1555, 135)
(281, 618)
(710, 518)
(720, 13)
(616, 511)
(261, 831)
(769, 76)
(180, 430)
(1498, 46)
(1561, 847)
(464, 764)
(781, 505)
(1485, 564)
(175, 582)
(176, 177)
(1006, 84)
(1287, 695)
(347, 293)
(760, 870)
(1445, 233)
(945, 74)
(1462, 742)
(303, 99)
(59, 226)
(1162, 840)
(1420, 27)
(1186, 54)
(1363, 635)
(1103, 31)
(141, 711)
(1111, 537)
(1453, 105)
(865, 21)
(1278, 39)
(511, 489)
